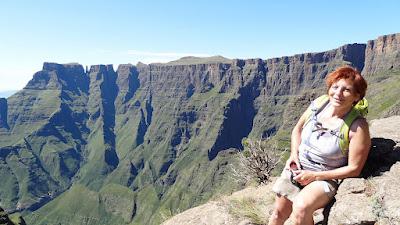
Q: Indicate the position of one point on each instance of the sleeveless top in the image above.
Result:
(319, 148)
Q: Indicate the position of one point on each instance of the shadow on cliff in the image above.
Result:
(383, 154)
(238, 123)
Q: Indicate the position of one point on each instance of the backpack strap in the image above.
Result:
(316, 107)
(359, 110)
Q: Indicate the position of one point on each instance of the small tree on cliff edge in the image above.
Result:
(257, 161)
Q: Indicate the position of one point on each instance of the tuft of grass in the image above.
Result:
(249, 208)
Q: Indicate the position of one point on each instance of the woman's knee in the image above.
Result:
(280, 215)
(300, 209)
(282, 209)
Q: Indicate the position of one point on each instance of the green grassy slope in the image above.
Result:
(383, 94)
(157, 152)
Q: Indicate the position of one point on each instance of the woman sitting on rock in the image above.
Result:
(330, 141)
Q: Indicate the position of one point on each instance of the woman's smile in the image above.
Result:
(342, 93)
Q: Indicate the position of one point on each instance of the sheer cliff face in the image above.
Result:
(382, 54)
(291, 75)
(148, 139)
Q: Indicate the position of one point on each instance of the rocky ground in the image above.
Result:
(370, 199)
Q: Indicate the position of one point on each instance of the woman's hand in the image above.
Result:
(304, 177)
(292, 163)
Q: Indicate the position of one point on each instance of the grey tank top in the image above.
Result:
(319, 149)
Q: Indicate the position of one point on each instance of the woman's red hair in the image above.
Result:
(348, 73)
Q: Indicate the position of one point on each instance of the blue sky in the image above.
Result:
(117, 32)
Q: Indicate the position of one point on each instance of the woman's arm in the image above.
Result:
(360, 143)
(295, 142)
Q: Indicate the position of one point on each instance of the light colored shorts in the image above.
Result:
(284, 187)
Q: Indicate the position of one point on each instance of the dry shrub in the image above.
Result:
(257, 161)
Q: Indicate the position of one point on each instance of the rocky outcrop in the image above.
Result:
(376, 194)
(237, 209)
(377, 197)
(382, 54)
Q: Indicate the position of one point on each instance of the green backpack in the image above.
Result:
(358, 110)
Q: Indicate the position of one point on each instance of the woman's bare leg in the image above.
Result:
(310, 198)
(282, 210)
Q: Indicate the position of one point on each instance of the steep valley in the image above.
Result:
(141, 143)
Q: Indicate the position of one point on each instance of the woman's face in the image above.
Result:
(342, 94)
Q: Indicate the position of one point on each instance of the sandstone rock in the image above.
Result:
(374, 201)
(352, 204)
(387, 127)
(219, 211)
(382, 54)
(210, 213)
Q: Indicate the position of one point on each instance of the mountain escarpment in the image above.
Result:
(140, 143)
